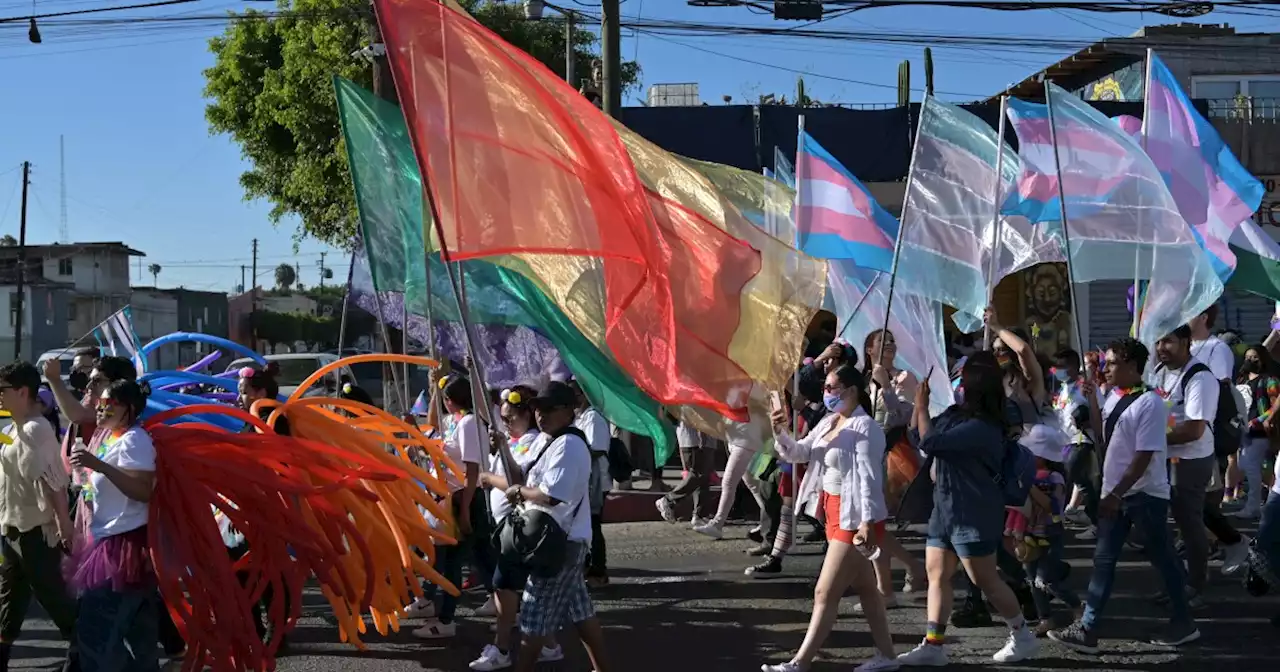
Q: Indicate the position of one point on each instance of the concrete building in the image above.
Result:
(203, 313)
(96, 273)
(44, 322)
(1237, 76)
(155, 314)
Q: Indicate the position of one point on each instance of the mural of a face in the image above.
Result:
(1047, 297)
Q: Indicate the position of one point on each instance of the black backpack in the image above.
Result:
(1227, 428)
(533, 539)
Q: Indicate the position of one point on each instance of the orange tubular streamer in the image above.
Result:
(340, 500)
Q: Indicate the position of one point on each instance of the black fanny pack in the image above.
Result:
(533, 538)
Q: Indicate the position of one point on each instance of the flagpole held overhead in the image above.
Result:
(1062, 211)
(993, 263)
(1137, 249)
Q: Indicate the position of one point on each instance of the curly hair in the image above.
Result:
(1131, 350)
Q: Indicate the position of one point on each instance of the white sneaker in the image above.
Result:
(879, 664)
(698, 521)
(491, 659)
(1088, 534)
(782, 667)
(421, 608)
(489, 608)
(711, 528)
(1021, 645)
(909, 585)
(1235, 557)
(551, 654)
(924, 655)
(891, 603)
(434, 629)
(666, 510)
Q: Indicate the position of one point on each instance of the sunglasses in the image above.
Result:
(833, 388)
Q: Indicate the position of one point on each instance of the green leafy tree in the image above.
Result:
(271, 91)
(285, 276)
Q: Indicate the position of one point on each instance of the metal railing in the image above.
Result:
(1245, 108)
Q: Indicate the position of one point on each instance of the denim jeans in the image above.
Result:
(1046, 577)
(118, 631)
(450, 559)
(1083, 473)
(1148, 514)
(1268, 543)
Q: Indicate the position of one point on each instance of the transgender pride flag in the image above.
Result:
(836, 217)
(1214, 193)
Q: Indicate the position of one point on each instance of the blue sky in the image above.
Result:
(142, 167)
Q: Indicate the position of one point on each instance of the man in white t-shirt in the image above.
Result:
(559, 482)
(1208, 348)
(1135, 493)
(1191, 392)
(596, 429)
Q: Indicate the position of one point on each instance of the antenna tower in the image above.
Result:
(63, 235)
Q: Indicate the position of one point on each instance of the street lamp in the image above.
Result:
(533, 12)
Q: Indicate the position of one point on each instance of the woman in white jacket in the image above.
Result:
(845, 453)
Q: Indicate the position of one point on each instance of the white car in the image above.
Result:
(297, 367)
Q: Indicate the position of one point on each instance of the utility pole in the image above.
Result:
(253, 297)
(383, 86)
(569, 54)
(611, 54)
(322, 269)
(243, 287)
(22, 262)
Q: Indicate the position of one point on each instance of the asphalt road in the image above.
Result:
(679, 601)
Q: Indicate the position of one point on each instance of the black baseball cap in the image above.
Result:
(554, 395)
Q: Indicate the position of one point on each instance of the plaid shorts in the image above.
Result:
(553, 602)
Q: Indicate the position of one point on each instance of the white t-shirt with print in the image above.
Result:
(1141, 428)
(524, 448)
(1216, 355)
(462, 443)
(564, 473)
(113, 513)
(596, 429)
(1200, 403)
(1065, 402)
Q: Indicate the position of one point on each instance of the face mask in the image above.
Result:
(1061, 375)
(1250, 367)
(832, 401)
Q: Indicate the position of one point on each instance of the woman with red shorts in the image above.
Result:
(844, 452)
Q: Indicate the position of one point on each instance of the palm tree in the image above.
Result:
(154, 270)
(285, 276)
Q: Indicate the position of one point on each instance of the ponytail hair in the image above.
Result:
(851, 378)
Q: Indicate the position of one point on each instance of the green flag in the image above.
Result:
(397, 231)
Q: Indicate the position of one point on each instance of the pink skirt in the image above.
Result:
(122, 561)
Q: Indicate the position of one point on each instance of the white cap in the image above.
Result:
(1045, 441)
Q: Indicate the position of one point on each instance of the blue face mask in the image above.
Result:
(832, 401)
(1061, 375)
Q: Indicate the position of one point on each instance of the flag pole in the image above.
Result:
(484, 411)
(1137, 249)
(997, 222)
(346, 304)
(89, 333)
(795, 209)
(897, 248)
(1062, 211)
(861, 301)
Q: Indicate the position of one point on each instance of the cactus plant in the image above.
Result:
(801, 99)
(928, 71)
(904, 83)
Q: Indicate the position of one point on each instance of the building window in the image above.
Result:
(1239, 96)
(71, 311)
(64, 267)
(13, 309)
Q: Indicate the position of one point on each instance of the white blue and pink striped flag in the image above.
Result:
(836, 217)
(1214, 193)
(1123, 222)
